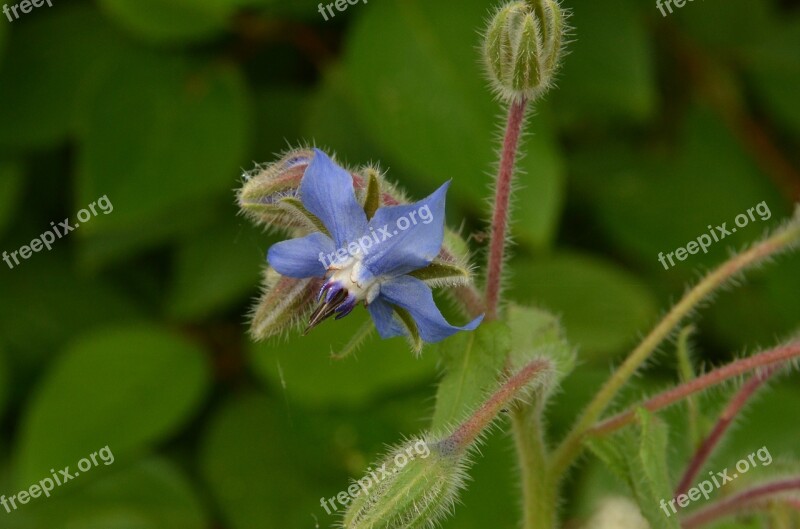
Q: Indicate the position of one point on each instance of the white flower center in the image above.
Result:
(354, 277)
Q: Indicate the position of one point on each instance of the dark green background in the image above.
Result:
(131, 331)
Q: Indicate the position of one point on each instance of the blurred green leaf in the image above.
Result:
(4, 382)
(609, 72)
(10, 191)
(172, 21)
(332, 111)
(602, 307)
(473, 363)
(424, 101)
(215, 268)
(774, 64)
(144, 381)
(249, 463)
(304, 370)
(151, 494)
(537, 333)
(184, 137)
(59, 305)
(49, 58)
(709, 177)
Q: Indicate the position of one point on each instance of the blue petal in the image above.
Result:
(327, 191)
(383, 316)
(410, 235)
(300, 258)
(416, 297)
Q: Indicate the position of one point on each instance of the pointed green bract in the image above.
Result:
(372, 198)
(640, 459)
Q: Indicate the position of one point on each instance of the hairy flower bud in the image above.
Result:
(522, 48)
(415, 486)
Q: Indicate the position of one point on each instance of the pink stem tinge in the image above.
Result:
(767, 358)
(743, 500)
(500, 215)
(717, 433)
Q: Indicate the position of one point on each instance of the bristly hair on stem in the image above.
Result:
(501, 209)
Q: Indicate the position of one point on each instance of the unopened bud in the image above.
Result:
(522, 48)
(264, 188)
(415, 486)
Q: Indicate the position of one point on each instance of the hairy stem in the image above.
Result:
(469, 431)
(740, 501)
(572, 445)
(500, 214)
(539, 496)
(767, 359)
(718, 432)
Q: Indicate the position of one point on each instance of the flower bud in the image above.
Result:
(264, 189)
(522, 48)
(415, 486)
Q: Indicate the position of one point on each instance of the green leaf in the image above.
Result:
(151, 494)
(425, 103)
(4, 382)
(10, 191)
(183, 142)
(537, 333)
(172, 21)
(59, 305)
(303, 367)
(473, 363)
(216, 268)
(247, 445)
(608, 73)
(602, 307)
(50, 56)
(126, 387)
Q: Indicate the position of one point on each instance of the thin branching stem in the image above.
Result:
(744, 500)
(572, 445)
(766, 359)
(721, 427)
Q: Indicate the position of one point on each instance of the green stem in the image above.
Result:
(538, 494)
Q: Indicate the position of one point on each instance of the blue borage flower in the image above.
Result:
(378, 277)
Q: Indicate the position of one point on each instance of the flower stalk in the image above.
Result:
(502, 200)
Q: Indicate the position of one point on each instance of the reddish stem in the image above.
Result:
(739, 367)
(717, 433)
(737, 502)
(500, 215)
(469, 431)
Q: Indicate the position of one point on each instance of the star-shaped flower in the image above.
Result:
(367, 260)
